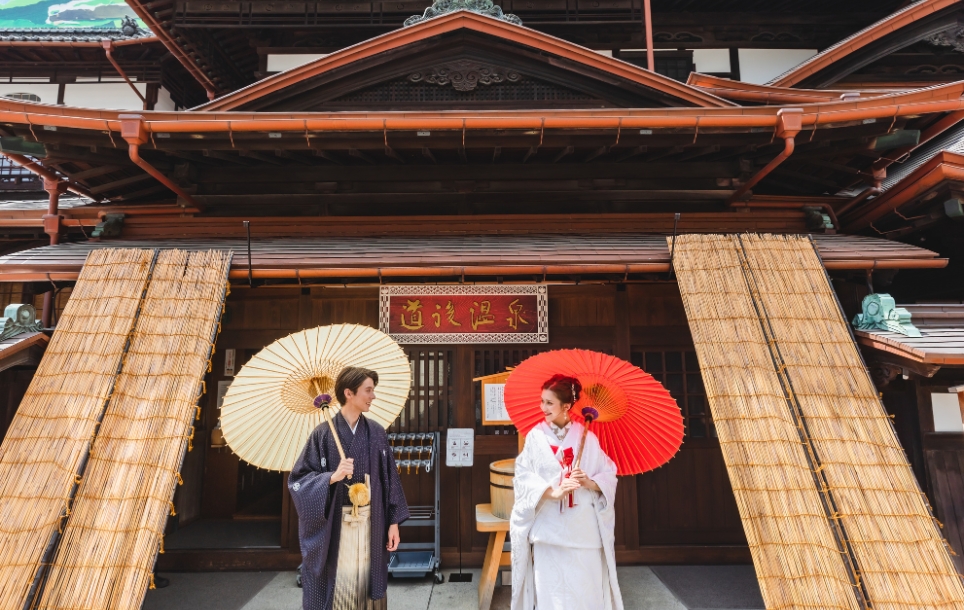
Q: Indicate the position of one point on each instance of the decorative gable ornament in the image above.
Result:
(465, 75)
(881, 313)
(19, 318)
(481, 7)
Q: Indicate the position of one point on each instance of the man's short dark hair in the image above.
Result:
(351, 378)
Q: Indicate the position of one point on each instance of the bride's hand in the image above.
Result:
(584, 481)
(568, 485)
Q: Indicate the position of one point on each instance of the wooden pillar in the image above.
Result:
(627, 501)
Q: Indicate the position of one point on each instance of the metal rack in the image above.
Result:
(417, 454)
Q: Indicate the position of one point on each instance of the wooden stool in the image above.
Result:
(485, 521)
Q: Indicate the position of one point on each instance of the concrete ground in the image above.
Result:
(644, 588)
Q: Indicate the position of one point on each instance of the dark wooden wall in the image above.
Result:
(683, 512)
(943, 455)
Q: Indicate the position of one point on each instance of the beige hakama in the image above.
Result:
(354, 563)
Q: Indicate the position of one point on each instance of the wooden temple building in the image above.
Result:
(564, 144)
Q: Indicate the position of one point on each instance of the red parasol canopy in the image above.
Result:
(640, 427)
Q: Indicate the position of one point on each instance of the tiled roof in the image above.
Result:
(334, 252)
(12, 350)
(70, 34)
(951, 140)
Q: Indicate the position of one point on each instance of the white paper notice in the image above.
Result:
(229, 355)
(459, 447)
(495, 402)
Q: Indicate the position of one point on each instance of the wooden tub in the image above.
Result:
(500, 487)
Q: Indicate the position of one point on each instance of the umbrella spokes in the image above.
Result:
(609, 400)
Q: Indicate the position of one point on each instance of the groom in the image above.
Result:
(319, 488)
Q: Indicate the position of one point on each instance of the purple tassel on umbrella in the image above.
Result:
(323, 400)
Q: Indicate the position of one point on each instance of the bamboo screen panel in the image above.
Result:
(111, 540)
(795, 551)
(900, 553)
(48, 441)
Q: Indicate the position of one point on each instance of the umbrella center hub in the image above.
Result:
(609, 399)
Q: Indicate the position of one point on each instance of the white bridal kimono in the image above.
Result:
(563, 559)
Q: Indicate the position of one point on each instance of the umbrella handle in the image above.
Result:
(582, 445)
(334, 432)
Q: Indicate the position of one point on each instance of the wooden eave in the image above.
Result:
(465, 20)
(20, 350)
(891, 33)
(944, 167)
(449, 256)
(941, 342)
(217, 138)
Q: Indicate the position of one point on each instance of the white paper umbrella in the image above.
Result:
(268, 412)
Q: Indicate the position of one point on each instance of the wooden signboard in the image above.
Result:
(493, 403)
(465, 314)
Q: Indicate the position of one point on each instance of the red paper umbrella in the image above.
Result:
(640, 427)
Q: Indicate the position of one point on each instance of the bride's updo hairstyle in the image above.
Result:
(567, 389)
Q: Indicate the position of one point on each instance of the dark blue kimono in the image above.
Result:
(319, 505)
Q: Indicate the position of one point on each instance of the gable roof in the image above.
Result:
(588, 61)
(903, 28)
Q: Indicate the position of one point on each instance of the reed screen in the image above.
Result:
(110, 543)
(47, 444)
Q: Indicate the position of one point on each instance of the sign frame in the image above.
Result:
(540, 291)
(497, 379)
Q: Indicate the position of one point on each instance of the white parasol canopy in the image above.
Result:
(268, 412)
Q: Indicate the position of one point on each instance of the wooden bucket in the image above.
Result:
(500, 486)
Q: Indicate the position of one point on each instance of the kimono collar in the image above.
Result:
(560, 433)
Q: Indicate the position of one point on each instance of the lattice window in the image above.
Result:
(403, 91)
(679, 372)
(431, 402)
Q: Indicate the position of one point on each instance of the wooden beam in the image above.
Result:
(530, 153)
(103, 188)
(563, 153)
(287, 154)
(639, 150)
(354, 152)
(390, 153)
(250, 154)
(327, 156)
(216, 154)
(602, 150)
(95, 171)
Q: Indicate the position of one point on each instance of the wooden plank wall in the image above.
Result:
(682, 512)
(944, 461)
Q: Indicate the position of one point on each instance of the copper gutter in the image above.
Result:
(54, 187)
(648, 17)
(132, 130)
(46, 174)
(168, 41)
(108, 49)
(788, 126)
(194, 123)
(241, 273)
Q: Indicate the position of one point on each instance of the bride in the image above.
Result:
(563, 519)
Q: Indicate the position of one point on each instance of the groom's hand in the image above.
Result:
(393, 537)
(346, 468)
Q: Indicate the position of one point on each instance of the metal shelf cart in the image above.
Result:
(417, 454)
